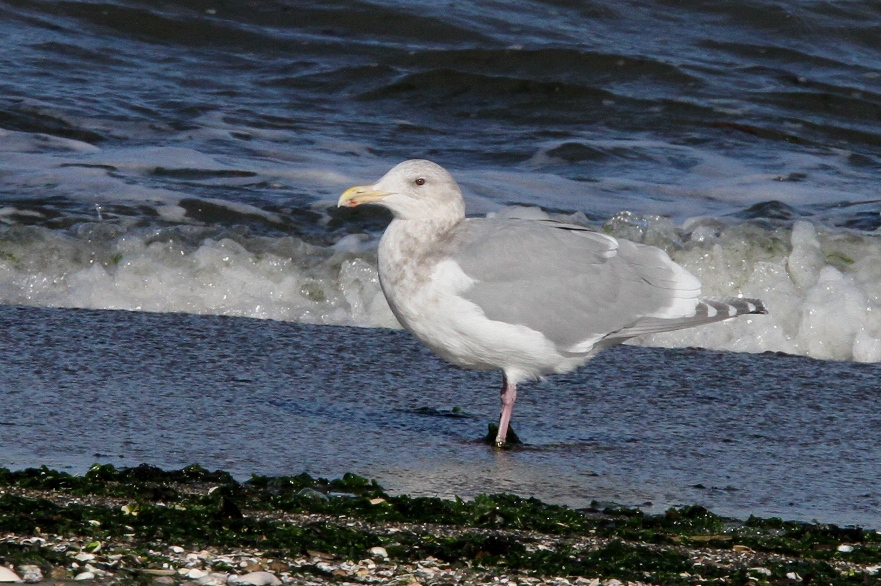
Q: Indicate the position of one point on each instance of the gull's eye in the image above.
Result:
(420, 181)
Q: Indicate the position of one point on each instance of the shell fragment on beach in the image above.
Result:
(30, 573)
(256, 579)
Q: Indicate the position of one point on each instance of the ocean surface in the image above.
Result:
(181, 161)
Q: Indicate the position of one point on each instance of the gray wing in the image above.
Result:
(573, 284)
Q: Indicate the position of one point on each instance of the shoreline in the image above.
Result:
(144, 525)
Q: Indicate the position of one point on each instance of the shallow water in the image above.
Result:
(742, 434)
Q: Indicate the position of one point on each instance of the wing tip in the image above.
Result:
(734, 306)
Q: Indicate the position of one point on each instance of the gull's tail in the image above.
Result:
(706, 312)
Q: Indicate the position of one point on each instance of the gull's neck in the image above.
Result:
(427, 229)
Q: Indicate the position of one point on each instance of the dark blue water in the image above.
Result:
(185, 158)
(277, 103)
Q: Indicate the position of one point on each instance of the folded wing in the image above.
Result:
(580, 288)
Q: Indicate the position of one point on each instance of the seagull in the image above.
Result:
(527, 297)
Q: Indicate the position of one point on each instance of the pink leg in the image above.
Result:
(509, 395)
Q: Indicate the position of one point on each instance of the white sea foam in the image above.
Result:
(282, 279)
(822, 286)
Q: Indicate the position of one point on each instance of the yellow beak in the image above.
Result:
(360, 194)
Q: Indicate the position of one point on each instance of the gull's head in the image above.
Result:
(412, 190)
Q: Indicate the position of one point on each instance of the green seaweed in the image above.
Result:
(839, 259)
(198, 508)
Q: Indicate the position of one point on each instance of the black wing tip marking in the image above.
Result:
(742, 305)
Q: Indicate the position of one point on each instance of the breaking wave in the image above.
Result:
(822, 285)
